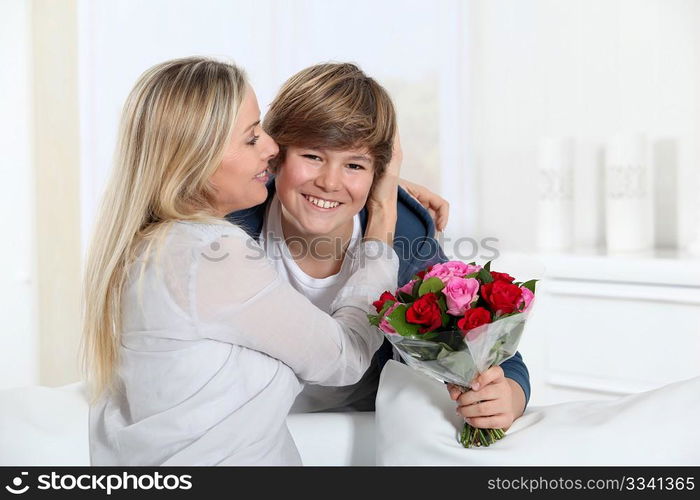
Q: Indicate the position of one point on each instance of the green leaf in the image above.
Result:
(397, 319)
(530, 285)
(442, 303)
(453, 339)
(431, 285)
(404, 297)
(472, 275)
(488, 266)
(446, 349)
(427, 335)
(373, 319)
(386, 306)
(416, 287)
(505, 315)
(445, 319)
(485, 276)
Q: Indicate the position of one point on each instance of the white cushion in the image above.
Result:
(416, 424)
(334, 438)
(49, 426)
(44, 426)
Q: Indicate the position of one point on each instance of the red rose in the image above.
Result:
(501, 296)
(386, 296)
(421, 274)
(502, 277)
(425, 311)
(474, 317)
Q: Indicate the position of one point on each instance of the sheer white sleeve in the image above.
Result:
(237, 296)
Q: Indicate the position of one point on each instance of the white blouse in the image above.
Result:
(214, 344)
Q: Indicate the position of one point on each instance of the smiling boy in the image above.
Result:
(335, 128)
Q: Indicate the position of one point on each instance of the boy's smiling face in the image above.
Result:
(321, 189)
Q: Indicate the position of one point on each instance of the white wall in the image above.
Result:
(120, 40)
(56, 164)
(411, 47)
(19, 361)
(587, 69)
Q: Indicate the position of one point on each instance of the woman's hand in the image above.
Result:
(381, 204)
(436, 205)
(493, 403)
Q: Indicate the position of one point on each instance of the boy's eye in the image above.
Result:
(355, 166)
(312, 157)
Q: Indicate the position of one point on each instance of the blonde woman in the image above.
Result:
(196, 348)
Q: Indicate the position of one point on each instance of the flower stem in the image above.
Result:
(471, 437)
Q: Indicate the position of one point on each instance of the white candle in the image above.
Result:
(589, 197)
(629, 223)
(693, 246)
(555, 161)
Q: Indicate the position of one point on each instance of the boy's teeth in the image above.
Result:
(322, 203)
(261, 174)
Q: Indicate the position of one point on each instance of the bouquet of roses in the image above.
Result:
(453, 321)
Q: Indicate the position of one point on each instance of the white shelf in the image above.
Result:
(667, 268)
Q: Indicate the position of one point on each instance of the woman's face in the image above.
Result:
(240, 179)
(321, 190)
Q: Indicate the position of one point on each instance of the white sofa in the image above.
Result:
(48, 426)
(415, 424)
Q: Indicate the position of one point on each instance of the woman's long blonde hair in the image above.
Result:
(175, 126)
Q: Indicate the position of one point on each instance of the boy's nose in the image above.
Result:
(328, 179)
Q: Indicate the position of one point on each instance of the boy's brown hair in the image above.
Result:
(333, 106)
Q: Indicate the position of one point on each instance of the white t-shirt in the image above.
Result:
(321, 292)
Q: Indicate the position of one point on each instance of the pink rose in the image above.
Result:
(527, 298)
(452, 268)
(407, 288)
(384, 325)
(459, 294)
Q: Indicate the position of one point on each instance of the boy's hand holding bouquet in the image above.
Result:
(456, 321)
